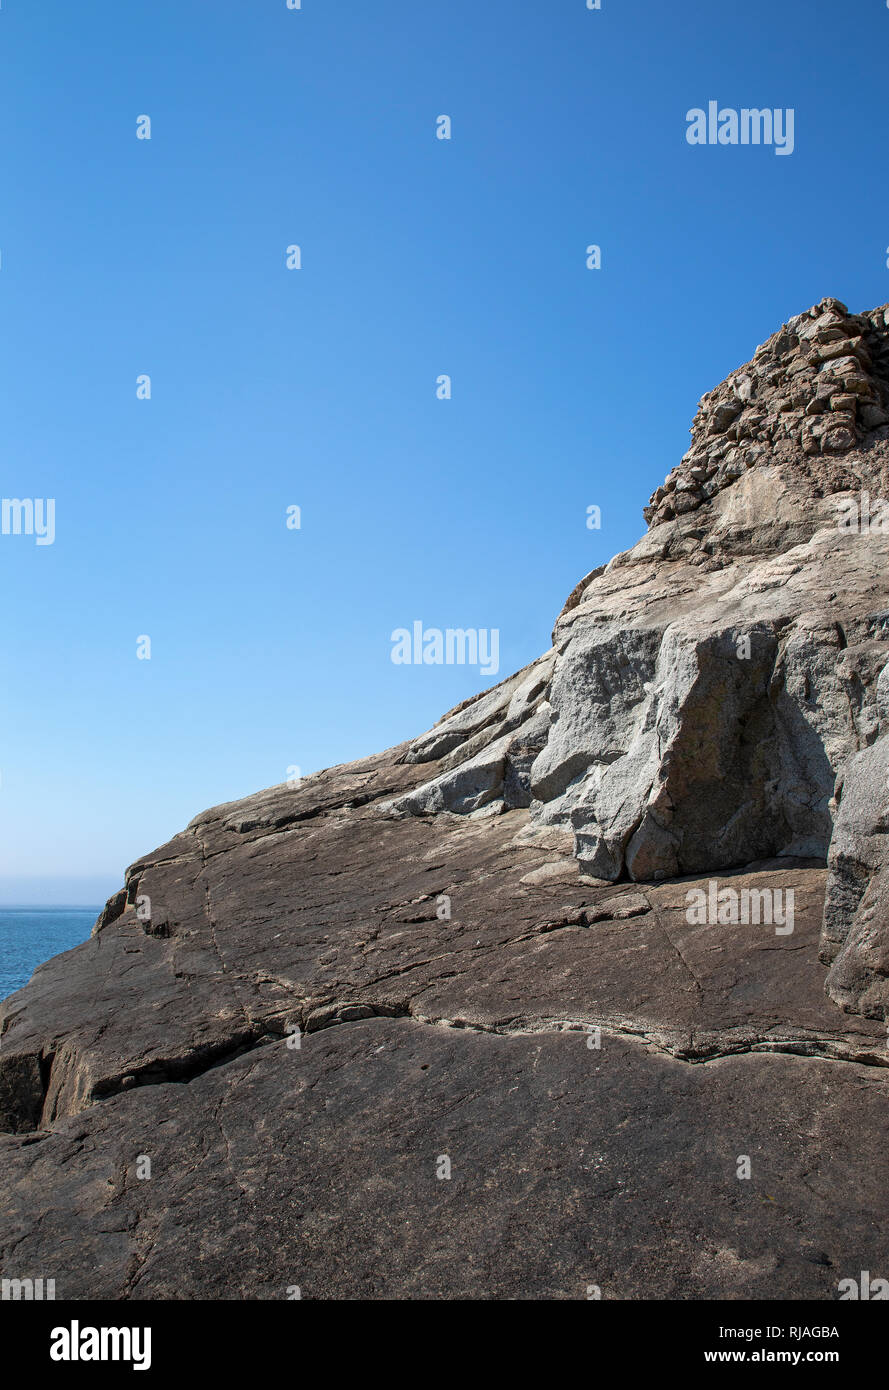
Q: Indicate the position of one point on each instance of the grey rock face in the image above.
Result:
(712, 729)
(695, 717)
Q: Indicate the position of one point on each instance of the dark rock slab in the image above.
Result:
(570, 1167)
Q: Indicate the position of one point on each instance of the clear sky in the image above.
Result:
(271, 388)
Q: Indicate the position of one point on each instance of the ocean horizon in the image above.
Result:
(31, 935)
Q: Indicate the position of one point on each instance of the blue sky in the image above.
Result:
(316, 388)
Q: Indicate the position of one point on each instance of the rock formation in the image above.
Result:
(439, 1023)
(818, 387)
(706, 688)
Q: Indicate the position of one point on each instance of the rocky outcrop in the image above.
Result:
(486, 746)
(440, 1023)
(808, 396)
(708, 687)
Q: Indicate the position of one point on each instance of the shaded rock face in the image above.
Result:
(477, 947)
(855, 933)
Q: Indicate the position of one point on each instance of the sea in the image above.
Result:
(30, 935)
